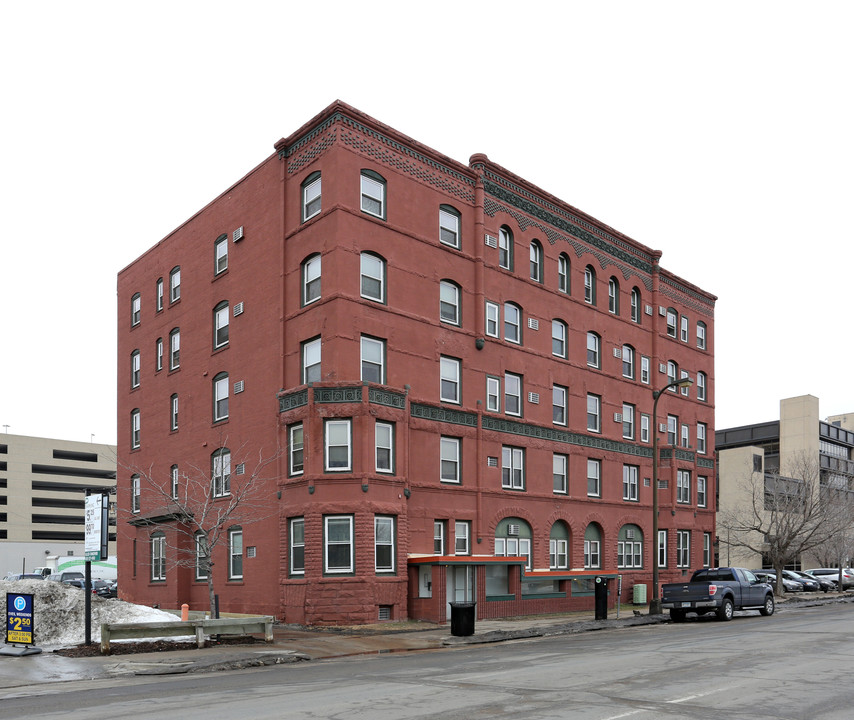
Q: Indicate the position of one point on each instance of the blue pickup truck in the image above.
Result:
(717, 590)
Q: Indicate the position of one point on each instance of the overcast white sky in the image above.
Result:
(718, 133)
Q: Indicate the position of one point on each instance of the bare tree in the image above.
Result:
(196, 507)
(781, 516)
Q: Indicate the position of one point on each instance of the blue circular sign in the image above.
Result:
(20, 603)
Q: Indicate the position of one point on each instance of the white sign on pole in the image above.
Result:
(92, 547)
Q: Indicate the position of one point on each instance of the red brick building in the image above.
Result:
(458, 367)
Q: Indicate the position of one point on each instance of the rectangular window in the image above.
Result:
(384, 543)
(158, 352)
(295, 451)
(492, 319)
(594, 403)
(461, 537)
(439, 527)
(707, 549)
(158, 557)
(662, 548)
(592, 350)
(493, 394)
(701, 336)
(175, 285)
(512, 468)
(628, 421)
(683, 548)
(338, 542)
(311, 361)
(592, 557)
(221, 319)
(297, 542)
(449, 228)
(134, 369)
(337, 445)
(159, 293)
(701, 438)
(672, 424)
(235, 554)
(559, 473)
(134, 493)
(629, 554)
(558, 338)
(512, 323)
(135, 309)
(449, 386)
(373, 360)
(373, 197)
(701, 491)
(644, 428)
(683, 486)
(450, 459)
(175, 349)
(220, 398)
(671, 322)
(630, 482)
(384, 440)
(220, 263)
(683, 331)
(684, 433)
(512, 394)
(558, 554)
(202, 559)
(173, 475)
(221, 472)
(594, 475)
(645, 364)
(311, 279)
(134, 429)
(701, 386)
(559, 405)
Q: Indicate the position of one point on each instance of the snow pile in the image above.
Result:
(60, 611)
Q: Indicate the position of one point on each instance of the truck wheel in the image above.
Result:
(677, 615)
(725, 610)
(768, 607)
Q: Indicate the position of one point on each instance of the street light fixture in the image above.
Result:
(655, 602)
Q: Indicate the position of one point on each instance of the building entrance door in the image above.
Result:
(461, 583)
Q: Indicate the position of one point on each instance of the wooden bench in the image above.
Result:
(179, 628)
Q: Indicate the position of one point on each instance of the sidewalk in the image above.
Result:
(297, 644)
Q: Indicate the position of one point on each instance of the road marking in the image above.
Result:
(687, 698)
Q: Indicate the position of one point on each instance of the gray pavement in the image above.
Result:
(300, 644)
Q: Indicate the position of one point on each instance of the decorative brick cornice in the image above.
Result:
(441, 414)
(337, 394)
(706, 463)
(678, 454)
(293, 400)
(386, 397)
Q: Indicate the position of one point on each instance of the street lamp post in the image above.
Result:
(655, 601)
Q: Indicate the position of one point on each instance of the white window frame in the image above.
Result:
(159, 293)
(594, 413)
(449, 228)
(536, 257)
(563, 274)
(220, 258)
(701, 438)
(312, 192)
(235, 554)
(512, 468)
(136, 309)
(449, 380)
(337, 425)
(372, 268)
(493, 394)
(613, 297)
(135, 493)
(175, 284)
(592, 554)
(594, 347)
(221, 325)
(631, 483)
(221, 472)
(370, 348)
(672, 428)
(450, 457)
(662, 548)
(373, 190)
(339, 521)
(644, 427)
(384, 537)
(683, 487)
(589, 286)
(671, 320)
(174, 478)
(635, 305)
(558, 554)
(559, 405)
(683, 328)
(492, 319)
(512, 394)
(311, 367)
(514, 327)
(628, 421)
(295, 541)
(173, 412)
(701, 386)
(559, 333)
(628, 353)
(683, 548)
(202, 563)
(630, 554)
(384, 447)
(135, 424)
(707, 549)
(505, 248)
(594, 477)
(646, 364)
(701, 335)
(462, 533)
(312, 274)
(439, 531)
(158, 353)
(560, 479)
(296, 449)
(175, 349)
(449, 303)
(220, 397)
(135, 369)
(702, 485)
(685, 433)
(158, 557)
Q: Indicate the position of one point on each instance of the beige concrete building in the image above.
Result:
(747, 454)
(43, 484)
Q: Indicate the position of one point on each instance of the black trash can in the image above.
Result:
(462, 618)
(601, 598)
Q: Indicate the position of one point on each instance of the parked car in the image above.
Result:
(101, 588)
(810, 584)
(824, 583)
(67, 575)
(25, 576)
(833, 574)
(770, 577)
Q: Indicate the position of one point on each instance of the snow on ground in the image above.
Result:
(60, 611)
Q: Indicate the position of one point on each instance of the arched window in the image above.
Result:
(221, 472)
(672, 374)
(134, 428)
(158, 291)
(590, 285)
(173, 412)
(563, 273)
(593, 546)
(373, 277)
(449, 226)
(628, 362)
(134, 369)
(505, 248)
(559, 338)
(614, 296)
(636, 305)
(513, 538)
(220, 397)
(701, 335)
(158, 354)
(559, 546)
(449, 302)
(311, 196)
(373, 188)
(701, 386)
(630, 547)
(311, 279)
(671, 322)
(135, 309)
(220, 254)
(175, 349)
(512, 323)
(220, 325)
(593, 355)
(536, 261)
(175, 284)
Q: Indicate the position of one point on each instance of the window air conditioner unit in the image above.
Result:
(630, 533)
(618, 417)
(533, 323)
(491, 241)
(237, 235)
(238, 309)
(513, 530)
(534, 398)
(662, 427)
(491, 461)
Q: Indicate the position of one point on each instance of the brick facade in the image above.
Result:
(411, 345)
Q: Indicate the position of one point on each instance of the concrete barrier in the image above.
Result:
(179, 628)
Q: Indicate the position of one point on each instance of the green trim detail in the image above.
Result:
(386, 397)
(706, 463)
(440, 414)
(293, 400)
(337, 394)
(670, 453)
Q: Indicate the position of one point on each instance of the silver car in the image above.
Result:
(833, 574)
